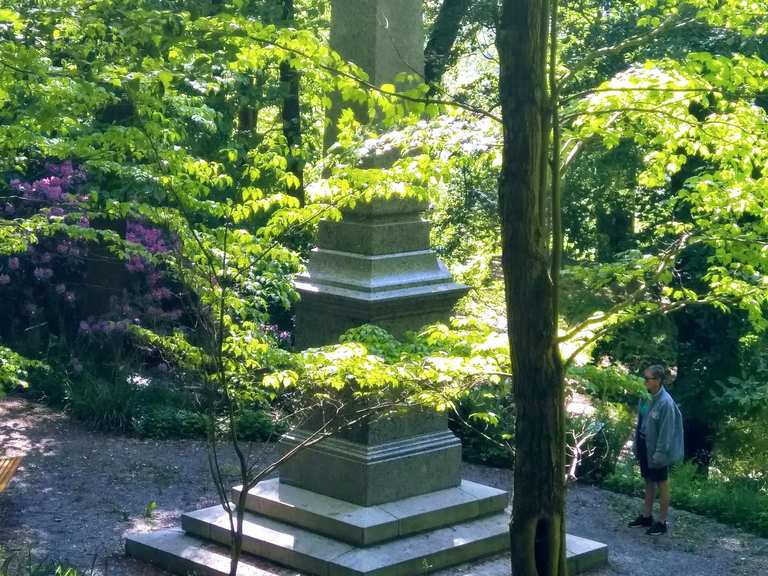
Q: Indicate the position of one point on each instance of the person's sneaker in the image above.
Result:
(641, 521)
(657, 528)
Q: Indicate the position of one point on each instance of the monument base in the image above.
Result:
(320, 535)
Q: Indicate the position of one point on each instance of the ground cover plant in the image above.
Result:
(738, 501)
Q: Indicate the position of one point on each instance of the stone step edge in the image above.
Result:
(367, 525)
(183, 554)
(175, 551)
(315, 554)
(425, 552)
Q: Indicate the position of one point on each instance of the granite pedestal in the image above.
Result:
(329, 537)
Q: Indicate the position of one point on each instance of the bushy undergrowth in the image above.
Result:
(170, 422)
(738, 502)
(145, 406)
(16, 370)
(602, 435)
(485, 423)
(167, 422)
(485, 441)
(22, 563)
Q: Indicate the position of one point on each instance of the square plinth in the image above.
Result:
(366, 525)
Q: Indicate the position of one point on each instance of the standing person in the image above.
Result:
(658, 444)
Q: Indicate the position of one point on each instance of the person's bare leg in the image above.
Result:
(664, 496)
(650, 496)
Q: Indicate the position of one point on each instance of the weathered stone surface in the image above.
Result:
(375, 267)
(369, 474)
(185, 554)
(403, 235)
(325, 313)
(315, 554)
(179, 553)
(375, 274)
(584, 554)
(365, 525)
(383, 37)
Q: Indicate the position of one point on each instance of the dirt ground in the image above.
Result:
(78, 492)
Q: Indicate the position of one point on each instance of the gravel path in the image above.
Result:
(77, 493)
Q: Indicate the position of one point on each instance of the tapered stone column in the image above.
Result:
(376, 266)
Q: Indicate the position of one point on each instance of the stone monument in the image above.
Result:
(384, 497)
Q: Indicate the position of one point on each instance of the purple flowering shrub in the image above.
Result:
(90, 295)
(73, 295)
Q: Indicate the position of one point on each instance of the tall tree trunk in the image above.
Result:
(537, 527)
(291, 113)
(442, 37)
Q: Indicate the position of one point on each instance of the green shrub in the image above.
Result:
(603, 436)
(485, 424)
(100, 403)
(607, 384)
(742, 448)
(24, 564)
(16, 371)
(257, 426)
(165, 422)
(625, 479)
(738, 502)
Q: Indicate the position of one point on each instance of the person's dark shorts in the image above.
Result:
(648, 473)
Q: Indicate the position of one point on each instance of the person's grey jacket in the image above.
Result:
(663, 431)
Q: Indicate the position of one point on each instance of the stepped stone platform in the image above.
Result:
(366, 525)
(320, 535)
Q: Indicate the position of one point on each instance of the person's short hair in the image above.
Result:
(657, 371)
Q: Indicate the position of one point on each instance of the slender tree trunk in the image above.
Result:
(537, 527)
(291, 113)
(442, 37)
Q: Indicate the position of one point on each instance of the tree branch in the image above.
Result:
(672, 23)
(370, 86)
(665, 260)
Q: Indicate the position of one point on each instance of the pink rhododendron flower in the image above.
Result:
(148, 236)
(161, 293)
(13, 263)
(135, 263)
(42, 273)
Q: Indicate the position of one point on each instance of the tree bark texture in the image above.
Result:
(537, 527)
(291, 112)
(442, 37)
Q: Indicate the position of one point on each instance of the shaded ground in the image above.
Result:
(78, 492)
